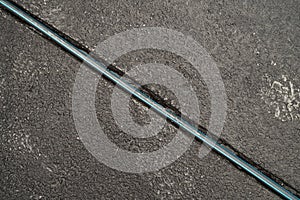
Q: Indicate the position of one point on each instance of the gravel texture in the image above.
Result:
(41, 153)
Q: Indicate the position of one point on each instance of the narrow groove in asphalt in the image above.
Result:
(154, 96)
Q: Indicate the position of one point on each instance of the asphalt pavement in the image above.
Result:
(255, 44)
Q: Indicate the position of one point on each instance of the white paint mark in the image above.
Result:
(277, 112)
(282, 97)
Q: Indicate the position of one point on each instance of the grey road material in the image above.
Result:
(42, 154)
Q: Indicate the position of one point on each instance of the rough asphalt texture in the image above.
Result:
(42, 156)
